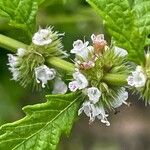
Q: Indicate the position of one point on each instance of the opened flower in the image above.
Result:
(120, 99)
(59, 87)
(43, 74)
(42, 37)
(93, 94)
(138, 78)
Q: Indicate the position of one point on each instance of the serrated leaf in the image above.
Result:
(20, 13)
(43, 125)
(122, 24)
(142, 9)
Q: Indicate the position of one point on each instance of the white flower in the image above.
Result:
(94, 111)
(73, 86)
(120, 51)
(89, 109)
(12, 60)
(20, 52)
(81, 80)
(59, 87)
(103, 116)
(93, 94)
(42, 37)
(81, 49)
(43, 74)
(97, 38)
(120, 98)
(15, 73)
(138, 78)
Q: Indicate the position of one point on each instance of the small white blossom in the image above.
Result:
(43, 74)
(21, 52)
(120, 98)
(90, 110)
(103, 116)
(81, 80)
(42, 37)
(81, 49)
(93, 94)
(94, 111)
(138, 78)
(59, 87)
(97, 38)
(120, 51)
(73, 86)
(15, 73)
(12, 60)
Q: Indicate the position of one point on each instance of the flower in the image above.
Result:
(43, 74)
(98, 42)
(73, 86)
(20, 52)
(138, 78)
(103, 116)
(93, 94)
(81, 49)
(59, 87)
(89, 109)
(12, 60)
(42, 37)
(120, 98)
(94, 111)
(120, 51)
(81, 80)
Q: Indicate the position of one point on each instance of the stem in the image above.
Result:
(11, 44)
(115, 79)
(62, 64)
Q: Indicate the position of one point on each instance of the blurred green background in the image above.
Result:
(130, 128)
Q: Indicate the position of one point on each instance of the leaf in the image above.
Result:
(20, 13)
(142, 9)
(43, 125)
(122, 24)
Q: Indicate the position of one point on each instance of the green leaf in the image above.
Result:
(125, 25)
(142, 10)
(43, 125)
(20, 13)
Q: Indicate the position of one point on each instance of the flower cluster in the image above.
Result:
(92, 62)
(28, 66)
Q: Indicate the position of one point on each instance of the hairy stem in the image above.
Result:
(13, 45)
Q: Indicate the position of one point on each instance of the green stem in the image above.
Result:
(13, 45)
(62, 64)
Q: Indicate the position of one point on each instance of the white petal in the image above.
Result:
(12, 60)
(130, 80)
(120, 98)
(59, 87)
(120, 51)
(42, 37)
(81, 80)
(93, 94)
(73, 86)
(43, 74)
(20, 52)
